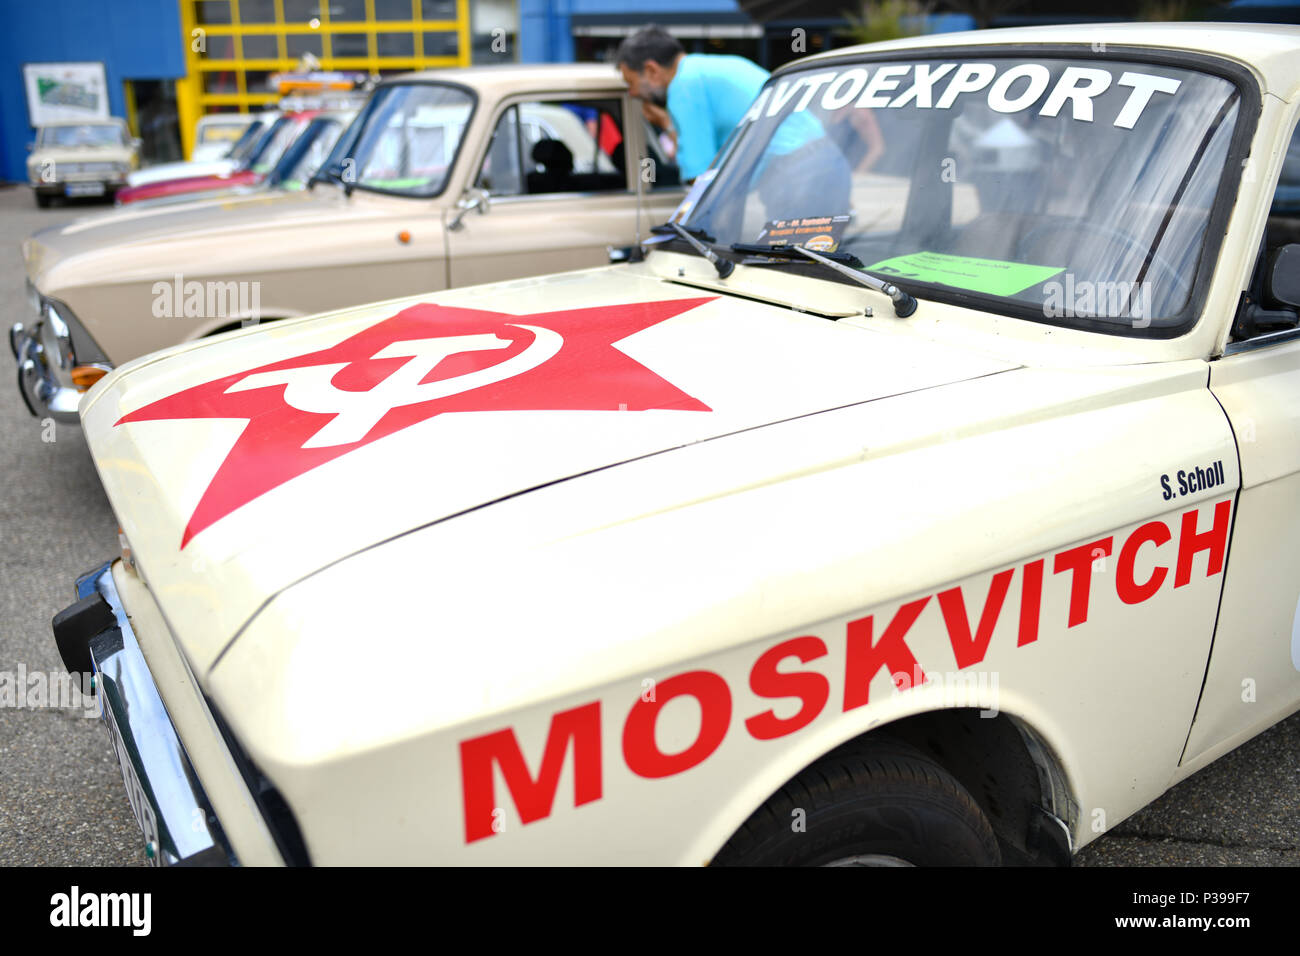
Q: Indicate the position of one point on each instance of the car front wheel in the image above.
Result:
(878, 803)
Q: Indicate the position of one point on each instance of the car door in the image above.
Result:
(560, 190)
(1254, 673)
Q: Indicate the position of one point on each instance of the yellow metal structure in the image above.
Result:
(213, 48)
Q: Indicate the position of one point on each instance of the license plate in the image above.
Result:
(84, 189)
(141, 806)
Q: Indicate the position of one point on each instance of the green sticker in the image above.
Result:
(966, 272)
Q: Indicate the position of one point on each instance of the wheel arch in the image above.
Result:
(1013, 773)
(224, 324)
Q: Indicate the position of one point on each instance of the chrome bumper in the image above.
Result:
(44, 394)
(179, 825)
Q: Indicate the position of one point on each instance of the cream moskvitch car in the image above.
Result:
(936, 506)
(446, 178)
(81, 158)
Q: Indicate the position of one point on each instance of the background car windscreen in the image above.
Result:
(409, 139)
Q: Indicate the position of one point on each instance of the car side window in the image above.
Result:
(556, 146)
(1259, 312)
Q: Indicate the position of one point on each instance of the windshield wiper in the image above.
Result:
(725, 267)
(783, 251)
(904, 304)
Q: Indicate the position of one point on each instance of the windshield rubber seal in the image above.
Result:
(1248, 113)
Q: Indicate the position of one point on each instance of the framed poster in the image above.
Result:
(63, 92)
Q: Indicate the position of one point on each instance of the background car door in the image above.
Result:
(1254, 674)
(560, 191)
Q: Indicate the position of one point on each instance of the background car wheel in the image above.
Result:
(43, 200)
(881, 803)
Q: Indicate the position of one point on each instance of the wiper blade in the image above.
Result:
(725, 267)
(783, 251)
(904, 304)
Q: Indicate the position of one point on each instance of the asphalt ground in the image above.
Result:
(62, 799)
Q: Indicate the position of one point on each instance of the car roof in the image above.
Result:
(1272, 49)
(518, 77)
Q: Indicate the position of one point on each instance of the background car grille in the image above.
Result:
(89, 167)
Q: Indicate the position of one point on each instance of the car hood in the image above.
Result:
(139, 243)
(156, 174)
(187, 185)
(80, 154)
(240, 465)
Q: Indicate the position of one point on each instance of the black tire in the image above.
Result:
(878, 803)
(43, 199)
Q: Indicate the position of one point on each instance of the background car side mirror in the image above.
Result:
(136, 142)
(473, 198)
(1284, 276)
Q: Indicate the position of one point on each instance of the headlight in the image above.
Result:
(58, 337)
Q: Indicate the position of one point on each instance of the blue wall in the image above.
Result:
(545, 30)
(134, 39)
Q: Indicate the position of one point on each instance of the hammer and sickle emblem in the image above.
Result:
(311, 389)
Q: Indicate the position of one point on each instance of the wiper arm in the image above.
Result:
(725, 267)
(904, 304)
(673, 228)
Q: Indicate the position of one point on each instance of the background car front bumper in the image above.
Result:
(44, 394)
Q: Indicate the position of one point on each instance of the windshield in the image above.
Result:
(1070, 191)
(408, 138)
(86, 134)
(247, 142)
(308, 153)
(283, 133)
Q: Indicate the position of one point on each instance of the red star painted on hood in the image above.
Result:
(429, 359)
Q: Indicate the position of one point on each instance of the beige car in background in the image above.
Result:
(447, 178)
(81, 158)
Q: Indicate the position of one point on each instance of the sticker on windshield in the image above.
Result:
(818, 233)
(1017, 88)
(991, 276)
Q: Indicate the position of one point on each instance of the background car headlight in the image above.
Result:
(57, 338)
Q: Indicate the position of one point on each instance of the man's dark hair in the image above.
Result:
(648, 43)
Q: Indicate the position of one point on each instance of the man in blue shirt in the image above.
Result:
(706, 94)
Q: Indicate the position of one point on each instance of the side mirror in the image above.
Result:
(1284, 276)
(136, 142)
(472, 199)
